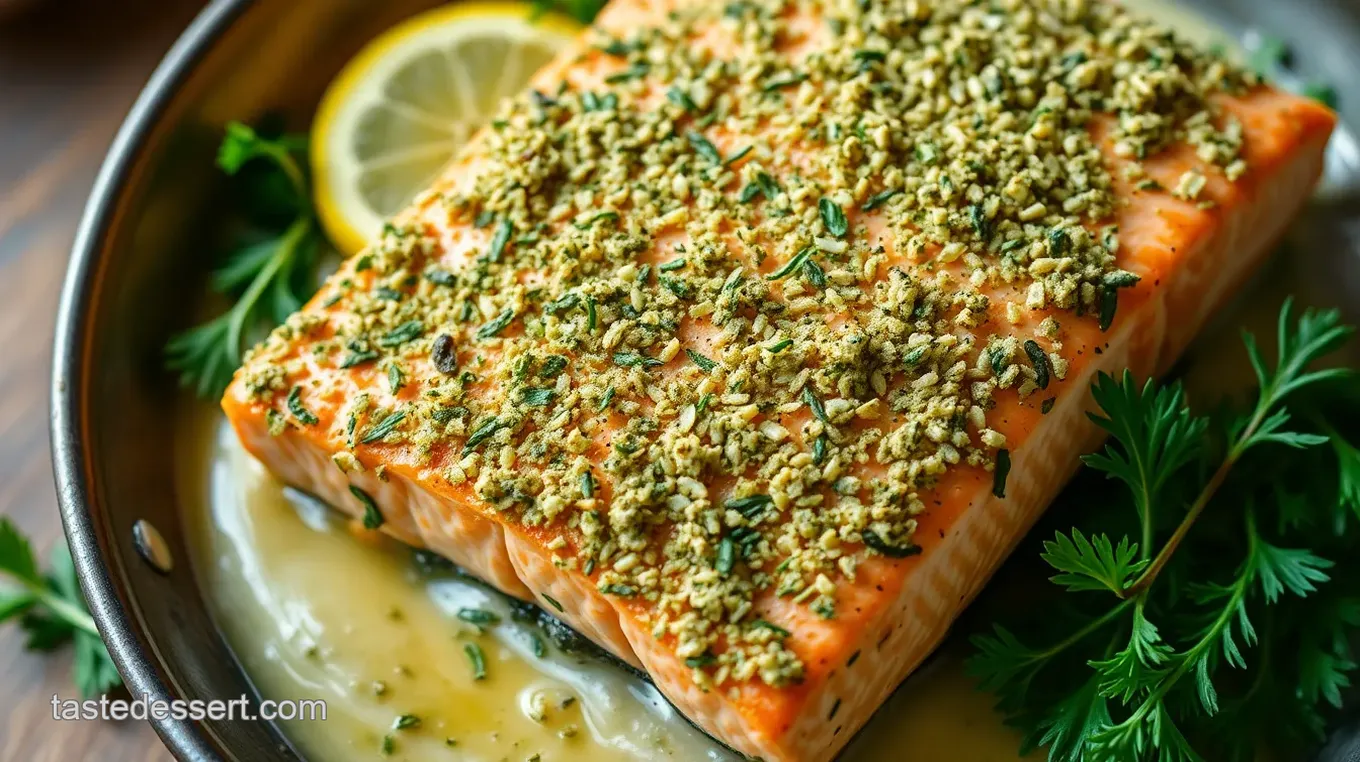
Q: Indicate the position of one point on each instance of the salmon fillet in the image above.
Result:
(890, 307)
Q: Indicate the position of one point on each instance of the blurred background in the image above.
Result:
(69, 70)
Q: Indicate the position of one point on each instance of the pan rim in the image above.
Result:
(69, 420)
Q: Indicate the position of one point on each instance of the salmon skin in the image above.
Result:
(756, 334)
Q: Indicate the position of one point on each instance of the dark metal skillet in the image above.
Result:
(136, 274)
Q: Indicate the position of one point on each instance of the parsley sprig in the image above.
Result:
(1218, 623)
(272, 269)
(51, 610)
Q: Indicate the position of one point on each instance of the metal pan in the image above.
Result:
(136, 274)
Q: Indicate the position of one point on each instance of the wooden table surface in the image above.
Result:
(69, 70)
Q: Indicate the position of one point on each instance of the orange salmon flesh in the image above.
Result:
(1189, 256)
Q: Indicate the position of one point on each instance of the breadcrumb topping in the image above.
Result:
(723, 323)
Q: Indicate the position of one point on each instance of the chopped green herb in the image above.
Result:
(703, 404)
(1322, 93)
(1003, 469)
(767, 625)
(703, 146)
(537, 396)
(779, 346)
(441, 277)
(635, 71)
(981, 225)
(1047, 405)
(810, 397)
(497, 324)
(408, 331)
(814, 273)
(832, 216)
(477, 659)
(608, 216)
(479, 617)
(681, 98)
(606, 399)
(705, 364)
(553, 601)
(357, 357)
(405, 722)
(878, 199)
(633, 360)
(619, 589)
(1042, 367)
(795, 262)
(383, 428)
(499, 239)
(738, 156)
(872, 540)
(480, 434)
(1109, 303)
(749, 506)
(552, 366)
(727, 556)
(674, 264)
(373, 517)
(299, 412)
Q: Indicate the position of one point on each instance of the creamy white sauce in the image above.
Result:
(313, 611)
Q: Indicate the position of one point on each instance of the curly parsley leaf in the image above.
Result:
(52, 611)
(1094, 564)
(1227, 619)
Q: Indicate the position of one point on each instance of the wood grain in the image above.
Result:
(68, 73)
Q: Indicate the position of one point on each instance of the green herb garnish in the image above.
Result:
(703, 146)
(635, 360)
(872, 540)
(791, 266)
(1217, 626)
(727, 556)
(1000, 472)
(299, 412)
(814, 404)
(51, 610)
(878, 199)
(1039, 358)
(372, 517)
(496, 324)
(479, 617)
(477, 659)
(705, 364)
(383, 428)
(833, 217)
(405, 722)
(537, 396)
(480, 434)
(269, 271)
(408, 331)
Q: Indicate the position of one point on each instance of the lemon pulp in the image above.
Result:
(398, 111)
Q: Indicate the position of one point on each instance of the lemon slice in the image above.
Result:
(400, 109)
